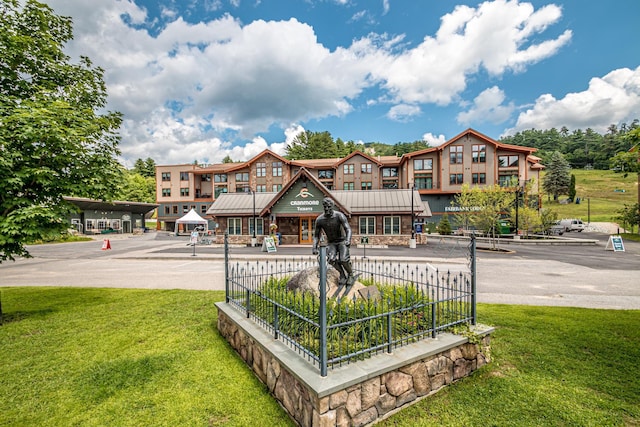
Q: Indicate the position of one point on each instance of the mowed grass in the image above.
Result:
(596, 190)
(109, 357)
(121, 357)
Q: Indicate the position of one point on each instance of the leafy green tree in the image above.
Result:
(227, 159)
(528, 219)
(488, 204)
(547, 218)
(465, 202)
(629, 216)
(55, 138)
(557, 179)
(138, 188)
(312, 145)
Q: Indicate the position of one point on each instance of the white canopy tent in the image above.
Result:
(193, 218)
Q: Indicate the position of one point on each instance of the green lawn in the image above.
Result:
(122, 357)
(597, 192)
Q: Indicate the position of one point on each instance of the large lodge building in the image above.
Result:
(381, 195)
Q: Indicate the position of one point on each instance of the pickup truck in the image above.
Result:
(572, 224)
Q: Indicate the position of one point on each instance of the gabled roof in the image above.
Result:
(476, 134)
(357, 153)
(230, 167)
(302, 174)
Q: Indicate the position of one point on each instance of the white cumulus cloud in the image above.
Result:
(434, 140)
(190, 90)
(612, 99)
(487, 107)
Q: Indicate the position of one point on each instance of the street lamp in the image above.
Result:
(412, 242)
(253, 238)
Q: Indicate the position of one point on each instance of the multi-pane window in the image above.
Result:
(276, 187)
(174, 209)
(220, 177)
(261, 188)
(348, 169)
(325, 174)
(391, 225)
(479, 178)
(184, 191)
(166, 192)
(365, 168)
(508, 161)
(261, 169)
(203, 209)
(366, 185)
(367, 225)
(478, 153)
(242, 177)
(455, 179)
(259, 226)
(276, 169)
(234, 226)
(184, 176)
(423, 181)
(389, 172)
(243, 188)
(389, 184)
(185, 208)
(219, 190)
(507, 180)
(206, 177)
(455, 154)
(348, 186)
(166, 176)
(167, 210)
(422, 164)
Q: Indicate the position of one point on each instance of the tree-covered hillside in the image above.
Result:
(581, 148)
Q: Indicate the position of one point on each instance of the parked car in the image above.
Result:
(572, 224)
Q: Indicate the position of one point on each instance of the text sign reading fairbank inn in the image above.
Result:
(302, 198)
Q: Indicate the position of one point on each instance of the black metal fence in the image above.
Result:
(410, 302)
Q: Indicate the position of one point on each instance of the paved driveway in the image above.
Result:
(579, 276)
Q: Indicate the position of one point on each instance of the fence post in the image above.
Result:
(226, 267)
(323, 310)
(473, 279)
(389, 334)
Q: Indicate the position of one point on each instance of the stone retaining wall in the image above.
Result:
(345, 398)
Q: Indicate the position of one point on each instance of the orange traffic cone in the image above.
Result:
(106, 244)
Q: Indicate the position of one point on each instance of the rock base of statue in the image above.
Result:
(307, 281)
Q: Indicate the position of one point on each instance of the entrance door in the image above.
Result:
(306, 230)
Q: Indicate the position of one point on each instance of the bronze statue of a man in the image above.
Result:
(336, 227)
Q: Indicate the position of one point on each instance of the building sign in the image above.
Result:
(461, 208)
(302, 198)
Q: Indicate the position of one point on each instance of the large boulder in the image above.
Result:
(308, 280)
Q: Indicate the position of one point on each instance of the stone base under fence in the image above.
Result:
(356, 394)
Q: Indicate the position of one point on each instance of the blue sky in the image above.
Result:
(199, 80)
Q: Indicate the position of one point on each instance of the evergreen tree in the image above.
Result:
(557, 179)
(572, 188)
(445, 226)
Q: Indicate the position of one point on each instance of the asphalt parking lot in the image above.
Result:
(567, 275)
